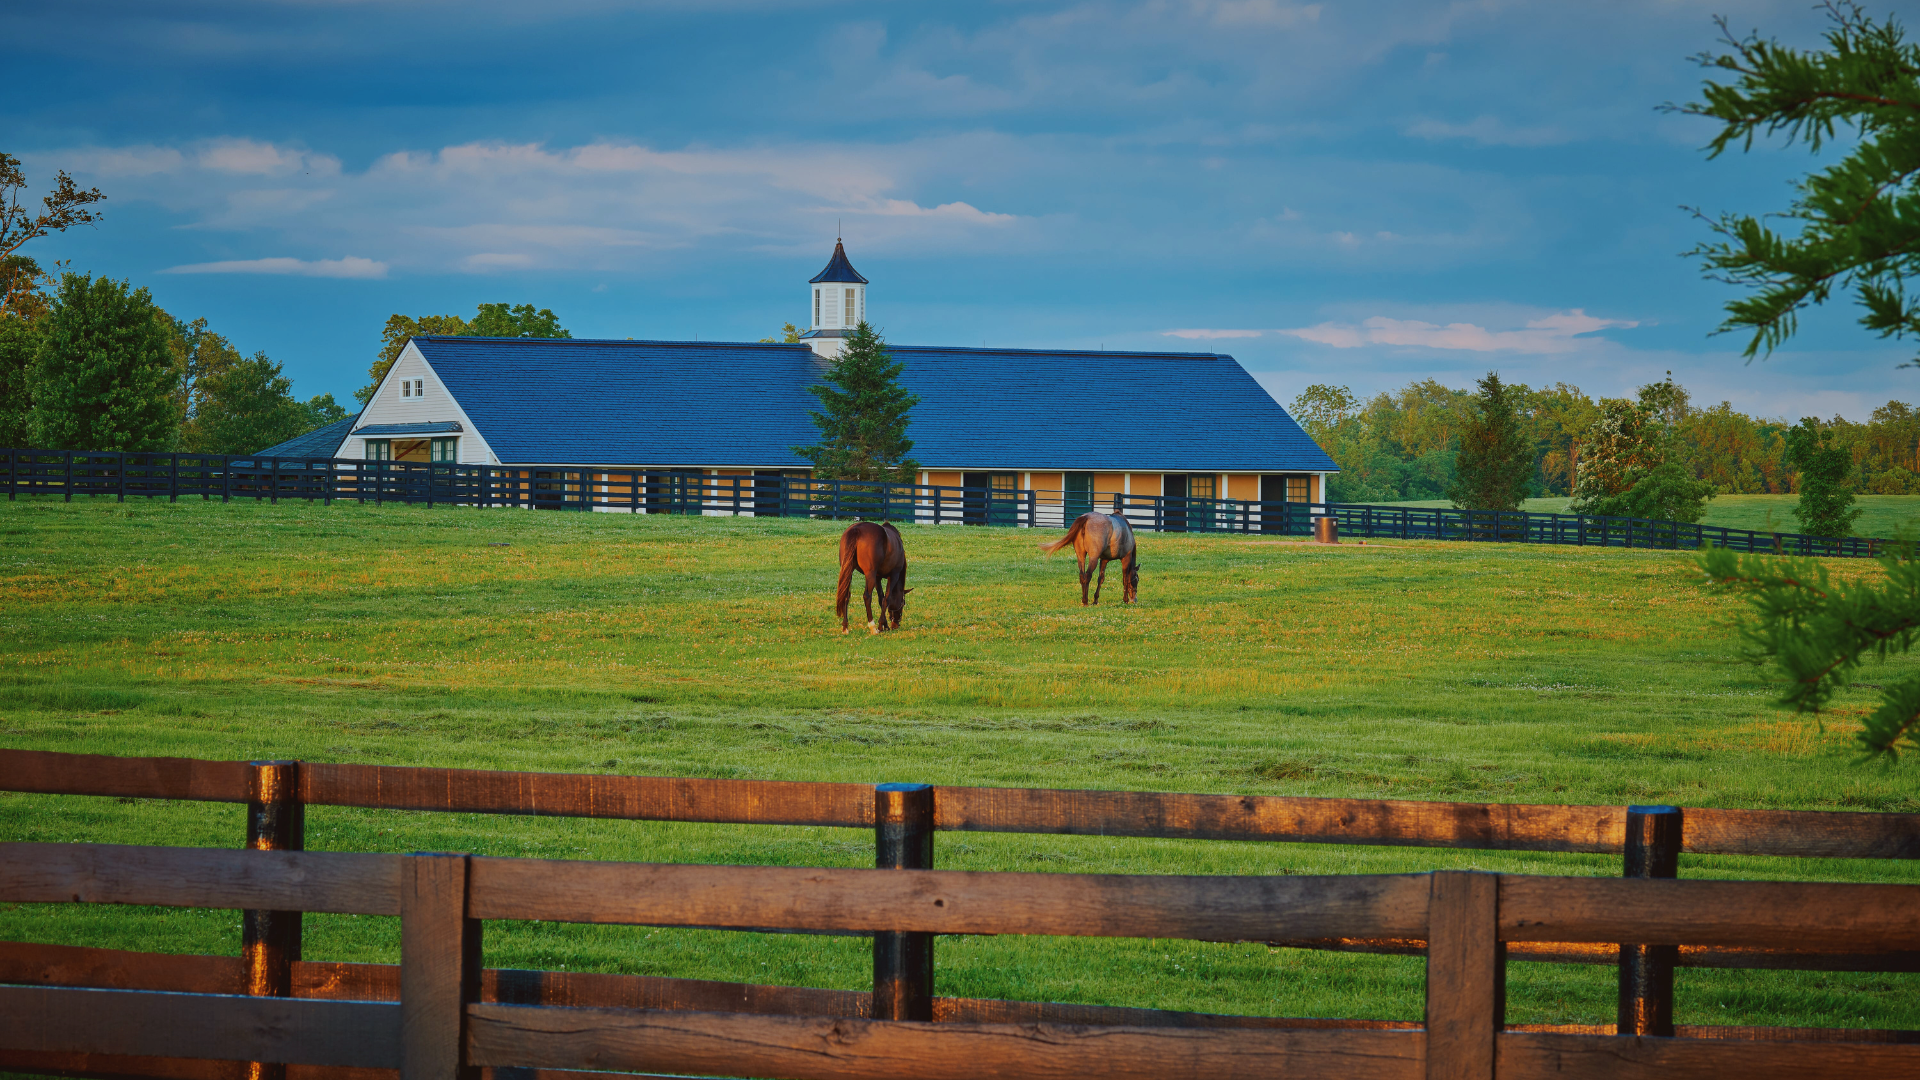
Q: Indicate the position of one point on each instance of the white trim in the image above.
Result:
(467, 427)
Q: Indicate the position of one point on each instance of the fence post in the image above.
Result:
(122, 473)
(69, 456)
(1646, 971)
(439, 966)
(903, 962)
(1466, 975)
(270, 940)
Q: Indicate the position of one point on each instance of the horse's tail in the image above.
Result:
(1073, 533)
(848, 560)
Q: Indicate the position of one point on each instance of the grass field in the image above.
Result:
(1884, 516)
(705, 646)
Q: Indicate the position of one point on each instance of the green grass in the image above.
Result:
(706, 647)
(1885, 516)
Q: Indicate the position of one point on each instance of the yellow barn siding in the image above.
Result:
(1243, 487)
(1146, 483)
(1108, 483)
(1048, 484)
(943, 479)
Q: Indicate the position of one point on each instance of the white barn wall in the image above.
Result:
(434, 406)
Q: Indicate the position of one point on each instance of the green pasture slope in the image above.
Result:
(1882, 516)
(656, 645)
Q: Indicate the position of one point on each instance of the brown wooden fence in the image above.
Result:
(105, 1012)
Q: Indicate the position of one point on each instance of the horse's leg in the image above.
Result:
(1127, 593)
(1102, 581)
(1086, 578)
(873, 584)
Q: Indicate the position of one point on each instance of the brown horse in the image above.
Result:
(876, 551)
(1105, 537)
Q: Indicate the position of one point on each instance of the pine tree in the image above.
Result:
(863, 415)
(1826, 499)
(104, 373)
(1858, 228)
(1495, 463)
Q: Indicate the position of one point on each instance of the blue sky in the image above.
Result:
(1356, 193)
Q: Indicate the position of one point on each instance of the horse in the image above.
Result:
(877, 552)
(1105, 537)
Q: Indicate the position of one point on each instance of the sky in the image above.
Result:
(1362, 194)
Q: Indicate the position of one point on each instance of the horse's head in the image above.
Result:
(897, 606)
(1133, 576)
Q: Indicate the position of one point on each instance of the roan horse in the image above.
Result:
(876, 551)
(1105, 537)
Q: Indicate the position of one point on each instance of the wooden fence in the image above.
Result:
(557, 487)
(439, 1013)
(1158, 513)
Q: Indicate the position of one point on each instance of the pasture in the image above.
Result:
(707, 647)
(1882, 516)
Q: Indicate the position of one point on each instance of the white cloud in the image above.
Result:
(349, 267)
(1557, 333)
(1489, 131)
(488, 207)
(1211, 335)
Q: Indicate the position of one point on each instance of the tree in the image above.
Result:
(18, 340)
(1825, 495)
(1495, 465)
(1817, 632)
(789, 335)
(322, 410)
(1860, 219)
(199, 355)
(501, 320)
(863, 415)
(247, 406)
(491, 320)
(1629, 463)
(64, 208)
(103, 375)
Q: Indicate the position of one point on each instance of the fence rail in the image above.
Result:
(65, 1006)
(443, 1020)
(1177, 514)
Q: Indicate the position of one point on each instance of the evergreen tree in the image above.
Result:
(1824, 467)
(1495, 462)
(245, 407)
(1817, 632)
(863, 415)
(1627, 466)
(1858, 227)
(104, 374)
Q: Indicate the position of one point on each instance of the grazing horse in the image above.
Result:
(1105, 537)
(876, 551)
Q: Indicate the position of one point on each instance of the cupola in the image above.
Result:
(839, 303)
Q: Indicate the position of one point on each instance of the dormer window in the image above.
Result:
(413, 388)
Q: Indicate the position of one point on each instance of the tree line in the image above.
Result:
(1406, 444)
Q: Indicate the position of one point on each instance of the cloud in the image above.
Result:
(1211, 335)
(1558, 333)
(488, 207)
(349, 267)
(1489, 131)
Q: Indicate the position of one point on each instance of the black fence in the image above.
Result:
(626, 490)
(207, 476)
(1174, 514)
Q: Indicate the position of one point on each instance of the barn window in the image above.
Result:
(445, 450)
(816, 307)
(1199, 487)
(1297, 488)
(852, 313)
(419, 388)
(379, 450)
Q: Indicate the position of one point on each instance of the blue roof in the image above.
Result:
(433, 428)
(318, 443)
(838, 268)
(572, 401)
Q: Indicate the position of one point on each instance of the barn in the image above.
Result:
(1084, 423)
